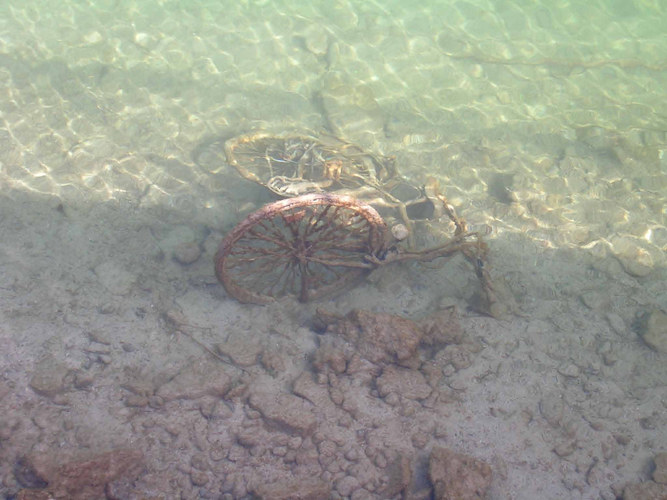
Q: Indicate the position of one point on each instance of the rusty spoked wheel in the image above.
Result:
(307, 247)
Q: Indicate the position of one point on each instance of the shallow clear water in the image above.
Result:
(567, 100)
(544, 122)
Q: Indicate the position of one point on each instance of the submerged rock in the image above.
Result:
(187, 252)
(310, 488)
(456, 476)
(241, 349)
(654, 332)
(660, 472)
(384, 338)
(410, 384)
(203, 377)
(648, 490)
(399, 474)
(635, 259)
(80, 479)
(285, 411)
(48, 379)
(379, 337)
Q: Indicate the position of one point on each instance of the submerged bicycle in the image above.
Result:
(327, 234)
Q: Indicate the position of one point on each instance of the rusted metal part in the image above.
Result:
(307, 247)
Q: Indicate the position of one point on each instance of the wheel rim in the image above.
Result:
(307, 247)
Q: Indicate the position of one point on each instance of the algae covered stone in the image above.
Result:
(654, 332)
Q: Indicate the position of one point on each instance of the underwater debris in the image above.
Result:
(328, 234)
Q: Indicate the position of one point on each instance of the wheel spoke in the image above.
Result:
(305, 247)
